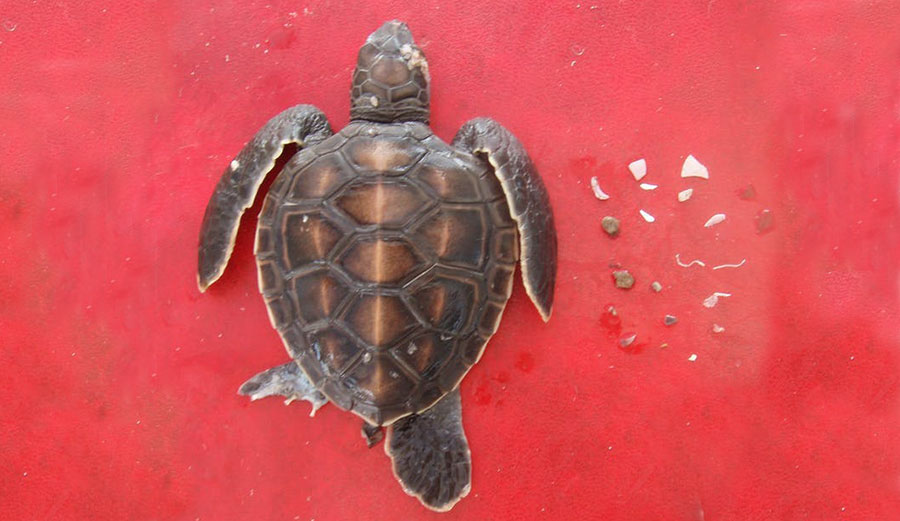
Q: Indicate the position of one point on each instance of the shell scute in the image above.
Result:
(320, 178)
(322, 294)
(381, 260)
(389, 156)
(308, 236)
(379, 380)
(335, 350)
(455, 235)
(389, 204)
(448, 182)
(379, 320)
(447, 303)
(424, 353)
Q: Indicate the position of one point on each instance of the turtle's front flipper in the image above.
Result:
(430, 454)
(285, 380)
(528, 203)
(303, 125)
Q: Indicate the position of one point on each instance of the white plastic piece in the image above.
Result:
(692, 358)
(598, 192)
(684, 195)
(638, 169)
(647, 217)
(235, 164)
(712, 300)
(738, 265)
(688, 265)
(648, 186)
(693, 168)
(714, 220)
(717, 328)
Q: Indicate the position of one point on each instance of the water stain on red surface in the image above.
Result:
(611, 322)
(585, 167)
(282, 39)
(482, 393)
(525, 362)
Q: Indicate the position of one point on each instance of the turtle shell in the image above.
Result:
(386, 258)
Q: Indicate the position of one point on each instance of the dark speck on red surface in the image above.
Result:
(119, 396)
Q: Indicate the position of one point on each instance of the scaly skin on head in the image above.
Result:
(390, 83)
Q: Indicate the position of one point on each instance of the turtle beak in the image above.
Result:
(392, 36)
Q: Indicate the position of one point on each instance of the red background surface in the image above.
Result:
(119, 378)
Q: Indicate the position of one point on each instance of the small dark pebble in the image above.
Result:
(610, 225)
(765, 221)
(623, 279)
(670, 320)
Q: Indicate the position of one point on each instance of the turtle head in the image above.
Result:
(390, 82)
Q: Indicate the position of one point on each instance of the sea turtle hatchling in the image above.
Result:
(386, 257)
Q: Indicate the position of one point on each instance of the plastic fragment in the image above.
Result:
(656, 286)
(648, 186)
(717, 328)
(688, 265)
(714, 220)
(598, 192)
(638, 169)
(693, 168)
(670, 320)
(624, 280)
(765, 221)
(713, 299)
(610, 225)
(738, 265)
(627, 340)
(692, 358)
(684, 195)
(647, 217)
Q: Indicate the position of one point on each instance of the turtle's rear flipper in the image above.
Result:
(430, 454)
(303, 125)
(285, 380)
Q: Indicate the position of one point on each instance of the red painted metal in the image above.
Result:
(119, 377)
